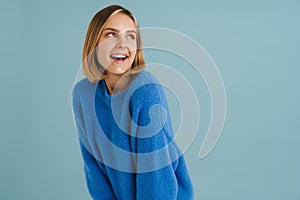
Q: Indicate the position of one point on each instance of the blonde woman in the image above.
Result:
(122, 117)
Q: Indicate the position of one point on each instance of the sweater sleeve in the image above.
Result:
(158, 154)
(97, 182)
(159, 184)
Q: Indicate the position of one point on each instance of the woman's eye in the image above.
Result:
(112, 35)
(131, 36)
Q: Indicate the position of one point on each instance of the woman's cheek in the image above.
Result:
(103, 53)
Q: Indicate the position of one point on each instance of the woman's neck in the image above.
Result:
(116, 83)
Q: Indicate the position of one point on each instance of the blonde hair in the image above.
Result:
(90, 65)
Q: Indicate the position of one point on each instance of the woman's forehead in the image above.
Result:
(120, 22)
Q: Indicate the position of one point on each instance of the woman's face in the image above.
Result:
(117, 45)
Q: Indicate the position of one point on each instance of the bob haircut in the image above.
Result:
(90, 65)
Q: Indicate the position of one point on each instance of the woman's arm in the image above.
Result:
(159, 184)
(161, 170)
(156, 178)
(97, 182)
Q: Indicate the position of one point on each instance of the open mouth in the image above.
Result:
(119, 57)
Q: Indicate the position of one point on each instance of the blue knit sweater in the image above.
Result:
(127, 142)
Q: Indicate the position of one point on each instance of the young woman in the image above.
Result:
(122, 117)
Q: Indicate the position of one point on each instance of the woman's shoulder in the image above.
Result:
(147, 75)
(83, 86)
(147, 87)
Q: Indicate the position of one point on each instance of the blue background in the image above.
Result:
(255, 44)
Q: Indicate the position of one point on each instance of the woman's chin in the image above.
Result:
(117, 71)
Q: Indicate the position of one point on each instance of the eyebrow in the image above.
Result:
(112, 29)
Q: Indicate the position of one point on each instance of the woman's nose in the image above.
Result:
(121, 43)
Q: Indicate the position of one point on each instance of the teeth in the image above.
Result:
(118, 56)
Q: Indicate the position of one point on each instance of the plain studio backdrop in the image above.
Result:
(255, 45)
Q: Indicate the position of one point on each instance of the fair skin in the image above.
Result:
(116, 50)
